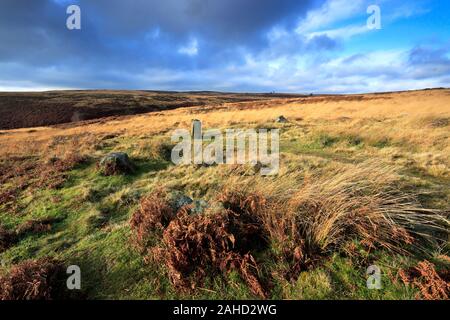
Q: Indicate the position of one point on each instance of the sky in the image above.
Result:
(301, 46)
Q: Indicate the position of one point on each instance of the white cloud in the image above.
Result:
(191, 49)
(341, 33)
(321, 21)
(383, 70)
(330, 12)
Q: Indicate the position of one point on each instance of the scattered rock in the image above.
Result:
(177, 200)
(196, 207)
(282, 119)
(116, 163)
(440, 122)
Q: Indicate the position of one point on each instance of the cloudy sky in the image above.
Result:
(228, 45)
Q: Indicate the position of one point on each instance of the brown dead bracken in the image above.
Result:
(33, 280)
(36, 226)
(433, 285)
(222, 242)
(7, 239)
(154, 214)
(218, 241)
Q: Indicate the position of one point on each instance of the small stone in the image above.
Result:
(282, 119)
(116, 163)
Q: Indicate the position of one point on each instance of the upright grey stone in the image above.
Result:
(197, 129)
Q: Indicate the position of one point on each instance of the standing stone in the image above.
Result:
(197, 136)
(196, 129)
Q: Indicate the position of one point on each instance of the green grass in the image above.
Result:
(94, 232)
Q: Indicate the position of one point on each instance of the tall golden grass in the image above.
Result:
(406, 117)
(323, 212)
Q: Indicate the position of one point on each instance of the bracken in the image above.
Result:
(154, 214)
(433, 285)
(33, 280)
(222, 242)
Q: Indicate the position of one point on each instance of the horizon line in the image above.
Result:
(224, 92)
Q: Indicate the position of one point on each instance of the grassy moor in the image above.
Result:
(364, 181)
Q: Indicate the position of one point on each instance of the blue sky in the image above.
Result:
(319, 46)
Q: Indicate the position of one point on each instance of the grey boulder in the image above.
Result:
(116, 163)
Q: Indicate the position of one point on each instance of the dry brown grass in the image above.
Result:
(25, 170)
(195, 245)
(357, 202)
(319, 203)
(400, 115)
(33, 109)
(304, 223)
(159, 149)
(19, 174)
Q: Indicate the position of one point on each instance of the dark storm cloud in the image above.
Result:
(125, 37)
(230, 20)
(36, 29)
(33, 33)
(233, 45)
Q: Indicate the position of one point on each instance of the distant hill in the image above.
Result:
(24, 110)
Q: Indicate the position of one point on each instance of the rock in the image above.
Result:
(282, 119)
(196, 131)
(199, 206)
(116, 163)
(177, 200)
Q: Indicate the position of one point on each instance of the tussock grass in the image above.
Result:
(364, 202)
(304, 221)
(319, 215)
